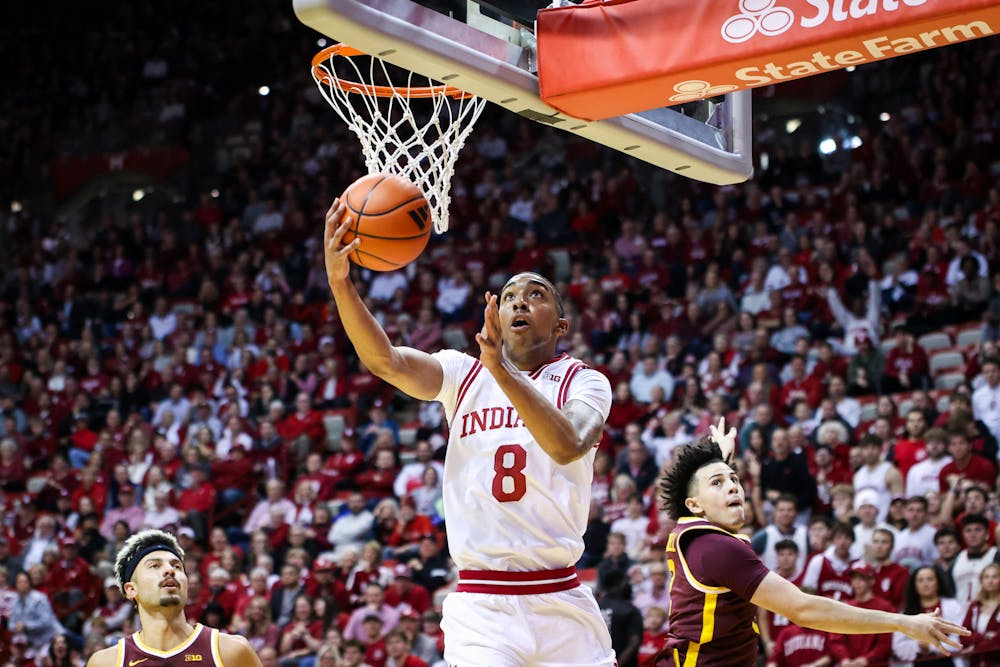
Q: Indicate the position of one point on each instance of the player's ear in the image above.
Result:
(562, 326)
(694, 506)
(129, 590)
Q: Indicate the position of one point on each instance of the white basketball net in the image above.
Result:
(393, 139)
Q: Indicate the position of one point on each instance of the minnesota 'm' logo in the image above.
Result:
(192, 657)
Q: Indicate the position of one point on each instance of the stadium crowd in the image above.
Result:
(183, 368)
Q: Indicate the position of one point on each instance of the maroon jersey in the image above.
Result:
(202, 647)
(714, 573)
(797, 646)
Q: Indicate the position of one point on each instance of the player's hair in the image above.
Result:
(548, 284)
(676, 483)
(139, 546)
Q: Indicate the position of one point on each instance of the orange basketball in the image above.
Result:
(392, 218)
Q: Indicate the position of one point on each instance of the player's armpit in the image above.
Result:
(587, 422)
(413, 372)
(235, 650)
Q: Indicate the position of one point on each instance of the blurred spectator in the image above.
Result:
(351, 528)
(31, 615)
(981, 619)
(430, 568)
(925, 594)
(274, 497)
(986, 399)
(373, 603)
(971, 560)
(915, 543)
(648, 374)
(863, 649)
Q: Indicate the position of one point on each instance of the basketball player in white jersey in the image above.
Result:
(518, 469)
(150, 572)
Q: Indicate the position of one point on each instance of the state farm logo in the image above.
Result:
(695, 89)
(757, 16)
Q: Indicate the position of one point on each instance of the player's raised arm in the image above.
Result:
(565, 434)
(813, 611)
(412, 371)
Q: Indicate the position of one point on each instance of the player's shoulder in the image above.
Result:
(236, 650)
(106, 657)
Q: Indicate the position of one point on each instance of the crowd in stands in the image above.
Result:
(184, 369)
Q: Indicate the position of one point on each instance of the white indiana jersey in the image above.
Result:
(508, 505)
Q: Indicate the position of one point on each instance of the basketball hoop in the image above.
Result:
(392, 137)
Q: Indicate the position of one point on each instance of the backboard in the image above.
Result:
(485, 51)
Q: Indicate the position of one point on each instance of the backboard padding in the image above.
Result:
(420, 39)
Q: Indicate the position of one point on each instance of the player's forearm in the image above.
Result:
(822, 613)
(553, 430)
(370, 342)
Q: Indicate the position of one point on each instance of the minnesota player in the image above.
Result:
(719, 581)
(150, 571)
(519, 464)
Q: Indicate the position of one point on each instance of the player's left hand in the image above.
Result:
(490, 345)
(726, 441)
(936, 631)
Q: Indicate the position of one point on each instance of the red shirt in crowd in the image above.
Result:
(797, 647)
(978, 469)
(876, 648)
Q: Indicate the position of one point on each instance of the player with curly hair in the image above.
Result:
(718, 580)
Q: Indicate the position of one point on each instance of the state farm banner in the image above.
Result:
(605, 59)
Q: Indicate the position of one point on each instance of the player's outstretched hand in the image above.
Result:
(934, 630)
(489, 337)
(726, 441)
(335, 253)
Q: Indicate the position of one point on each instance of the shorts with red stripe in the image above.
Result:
(516, 619)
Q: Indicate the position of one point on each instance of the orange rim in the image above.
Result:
(321, 74)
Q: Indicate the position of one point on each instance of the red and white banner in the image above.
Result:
(605, 59)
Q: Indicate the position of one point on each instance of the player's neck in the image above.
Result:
(164, 632)
(530, 359)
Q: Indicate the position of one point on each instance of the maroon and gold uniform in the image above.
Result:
(714, 573)
(200, 649)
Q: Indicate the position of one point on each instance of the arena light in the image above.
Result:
(827, 146)
(321, 42)
(765, 160)
(214, 193)
(264, 91)
(852, 142)
(137, 195)
(884, 116)
(851, 68)
(15, 207)
(792, 124)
